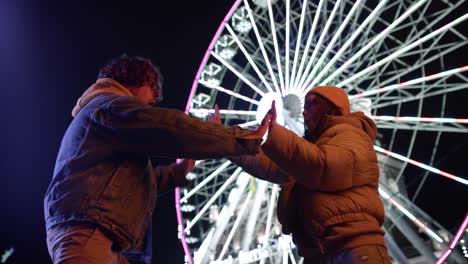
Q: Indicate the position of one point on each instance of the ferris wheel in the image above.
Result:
(391, 57)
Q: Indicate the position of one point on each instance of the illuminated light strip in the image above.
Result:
(407, 83)
(298, 42)
(421, 119)
(371, 44)
(250, 123)
(238, 74)
(224, 90)
(405, 49)
(226, 112)
(275, 44)
(455, 241)
(246, 54)
(348, 43)
(421, 165)
(303, 85)
(213, 198)
(410, 216)
(262, 48)
(303, 75)
(286, 73)
(205, 181)
(309, 41)
(271, 207)
(240, 215)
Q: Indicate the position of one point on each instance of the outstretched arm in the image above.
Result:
(139, 128)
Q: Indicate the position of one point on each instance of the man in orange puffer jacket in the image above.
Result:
(329, 180)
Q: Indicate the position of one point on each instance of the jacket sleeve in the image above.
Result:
(260, 166)
(170, 176)
(327, 167)
(138, 128)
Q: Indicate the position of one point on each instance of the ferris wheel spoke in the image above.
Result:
(262, 47)
(393, 201)
(271, 205)
(222, 112)
(403, 50)
(422, 123)
(275, 43)
(411, 82)
(205, 181)
(224, 90)
(249, 123)
(213, 198)
(307, 46)
(349, 41)
(447, 89)
(239, 218)
(249, 58)
(286, 43)
(376, 39)
(421, 165)
(303, 85)
(237, 73)
(298, 43)
(303, 74)
(445, 49)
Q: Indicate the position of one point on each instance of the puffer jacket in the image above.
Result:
(329, 189)
(103, 174)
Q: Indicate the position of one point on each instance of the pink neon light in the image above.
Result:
(460, 232)
(455, 241)
(189, 101)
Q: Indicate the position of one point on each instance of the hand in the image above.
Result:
(216, 117)
(272, 111)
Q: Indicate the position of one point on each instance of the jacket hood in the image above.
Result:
(356, 119)
(102, 86)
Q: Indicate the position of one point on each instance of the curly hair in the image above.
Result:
(133, 71)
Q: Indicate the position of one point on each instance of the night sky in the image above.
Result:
(50, 52)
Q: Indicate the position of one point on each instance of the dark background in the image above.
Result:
(51, 51)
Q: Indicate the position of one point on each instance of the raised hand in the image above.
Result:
(216, 117)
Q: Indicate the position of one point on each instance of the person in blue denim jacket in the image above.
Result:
(100, 201)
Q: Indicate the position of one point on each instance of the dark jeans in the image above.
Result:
(81, 244)
(369, 254)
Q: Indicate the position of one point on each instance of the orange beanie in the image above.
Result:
(335, 95)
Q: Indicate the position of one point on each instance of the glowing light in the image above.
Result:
(213, 198)
(237, 73)
(405, 49)
(372, 43)
(415, 220)
(421, 165)
(224, 90)
(251, 61)
(224, 112)
(408, 83)
(205, 181)
(265, 105)
(454, 241)
(421, 119)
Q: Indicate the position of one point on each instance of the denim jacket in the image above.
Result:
(103, 174)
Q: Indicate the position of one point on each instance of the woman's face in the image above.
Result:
(310, 113)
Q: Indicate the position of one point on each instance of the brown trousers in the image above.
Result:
(81, 244)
